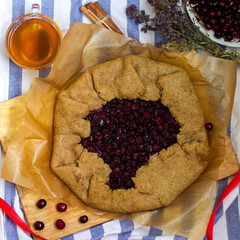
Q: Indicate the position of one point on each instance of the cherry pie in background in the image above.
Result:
(129, 135)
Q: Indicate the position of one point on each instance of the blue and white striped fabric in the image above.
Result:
(15, 81)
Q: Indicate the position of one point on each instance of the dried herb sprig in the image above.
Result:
(175, 27)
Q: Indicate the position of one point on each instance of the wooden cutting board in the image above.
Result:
(10, 119)
(50, 214)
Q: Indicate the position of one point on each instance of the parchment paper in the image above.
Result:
(28, 155)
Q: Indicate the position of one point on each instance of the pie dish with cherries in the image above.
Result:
(129, 135)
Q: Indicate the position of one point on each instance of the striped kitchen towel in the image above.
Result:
(15, 81)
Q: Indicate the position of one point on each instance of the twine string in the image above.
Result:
(100, 21)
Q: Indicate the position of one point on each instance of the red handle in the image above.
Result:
(235, 181)
(14, 216)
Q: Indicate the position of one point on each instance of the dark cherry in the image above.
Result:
(218, 35)
(201, 17)
(39, 225)
(201, 2)
(212, 13)
(223, 4)
(62, 207)
(234, 7)
(213, 21)
(83, 219)
(219, 13)
(60, 224)
(135, 130)
(208, 26)
(235, 33)
(229, 17)
(236, 22)
(41, 203)
(228, 37)
(222, 20)
(197, 9)
(225, 29)
(209, 126)
(217, 28)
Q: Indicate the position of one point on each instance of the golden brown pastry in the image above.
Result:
(165, 141)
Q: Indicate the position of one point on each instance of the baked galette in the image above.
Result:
(129, 135)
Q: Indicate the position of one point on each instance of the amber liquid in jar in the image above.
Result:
(34, 43)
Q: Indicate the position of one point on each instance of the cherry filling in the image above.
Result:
(125, 133)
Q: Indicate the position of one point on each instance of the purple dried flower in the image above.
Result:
(144, 29)
(159, 44)
(132, 9)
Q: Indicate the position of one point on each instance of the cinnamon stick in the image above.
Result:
(97, 15)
